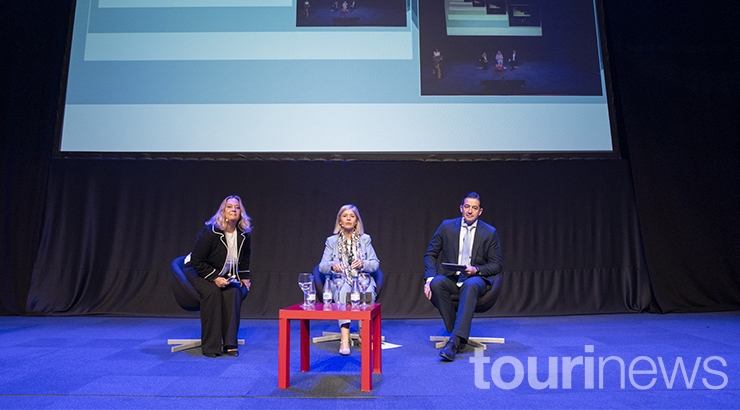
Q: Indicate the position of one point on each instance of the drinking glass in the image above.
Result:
(338, 283)
(304, 282)
(363, 280)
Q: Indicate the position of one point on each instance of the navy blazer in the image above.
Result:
(210, 250)
(445, 247)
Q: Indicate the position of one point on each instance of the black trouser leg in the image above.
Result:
(210, 315)
(472, 289)
(231, 313)
(442, 287)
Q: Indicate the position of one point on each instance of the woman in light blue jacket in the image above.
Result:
(348, 252)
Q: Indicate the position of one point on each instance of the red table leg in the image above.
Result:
(377, 349)
(305, 345)
(366, 368)
(283, 353)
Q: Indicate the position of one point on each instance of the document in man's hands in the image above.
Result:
(454, 267)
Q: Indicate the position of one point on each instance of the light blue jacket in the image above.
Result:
(331, 255)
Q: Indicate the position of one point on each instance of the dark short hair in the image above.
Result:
(473, 195)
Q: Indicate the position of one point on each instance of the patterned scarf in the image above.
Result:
(349, 250)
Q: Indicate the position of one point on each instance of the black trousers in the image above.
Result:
(458, 319)
(220, 311)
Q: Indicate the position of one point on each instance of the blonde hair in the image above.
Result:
(359, 228)
(245, 222)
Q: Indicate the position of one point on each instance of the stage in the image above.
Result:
(124, 362)
(532, 78)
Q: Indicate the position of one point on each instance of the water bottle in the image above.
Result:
(327, 292)
(311, 300)
(354, 297)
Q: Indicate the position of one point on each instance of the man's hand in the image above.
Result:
(471, 270)
(247, 283)
(428, 291)
(221, 282)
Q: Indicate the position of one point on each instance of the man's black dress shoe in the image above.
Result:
(231, 351)
(211, 355)
(450, 350)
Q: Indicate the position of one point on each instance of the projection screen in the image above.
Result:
(378, 79)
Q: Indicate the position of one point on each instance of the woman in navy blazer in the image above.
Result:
(348, 252)
(220, 258)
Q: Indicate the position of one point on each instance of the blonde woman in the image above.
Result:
(220, 258)
(348, 252)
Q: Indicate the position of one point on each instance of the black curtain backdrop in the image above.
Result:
(569, 230)
(656, 231)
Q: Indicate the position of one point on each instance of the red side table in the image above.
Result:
(370, 333)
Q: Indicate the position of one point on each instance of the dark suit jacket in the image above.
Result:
(210, 251)
(445, 246)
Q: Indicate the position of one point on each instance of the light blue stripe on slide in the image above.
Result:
(249, 46)
(307, 128)
(373, 128)
(105, 4)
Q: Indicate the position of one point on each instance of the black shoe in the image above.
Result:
(211, 355)
(232, 351)
(449, 352)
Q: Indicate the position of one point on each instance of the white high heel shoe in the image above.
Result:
(344, 348)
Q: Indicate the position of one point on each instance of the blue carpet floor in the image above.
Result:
(101, 362)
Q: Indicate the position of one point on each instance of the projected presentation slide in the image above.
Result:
(347, 77)
(492, 17)
(367, 13)
(508, 52)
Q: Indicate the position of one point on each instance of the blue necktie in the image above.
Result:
(465, 257)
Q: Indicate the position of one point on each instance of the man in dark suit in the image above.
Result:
(471, 243)
(513, 62)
